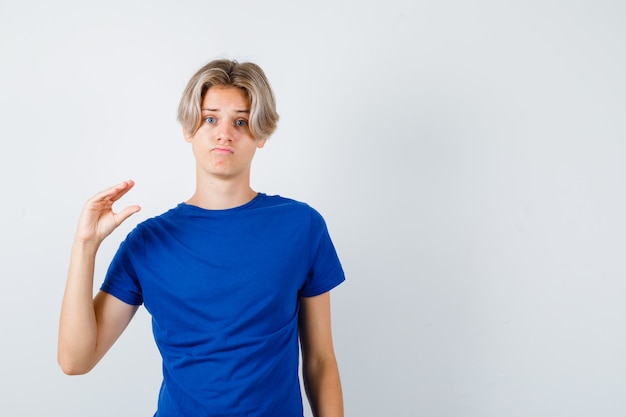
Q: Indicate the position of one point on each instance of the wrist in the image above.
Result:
(85, 246)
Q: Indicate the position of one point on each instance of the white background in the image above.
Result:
(469, 158)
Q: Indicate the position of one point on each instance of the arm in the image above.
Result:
(320, 370)
(89, 326)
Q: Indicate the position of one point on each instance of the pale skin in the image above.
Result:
(223, 148)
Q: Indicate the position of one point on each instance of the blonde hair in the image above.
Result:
(247, 76)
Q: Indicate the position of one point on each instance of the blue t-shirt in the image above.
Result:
(223, 289)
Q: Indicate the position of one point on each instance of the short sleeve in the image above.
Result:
(121, 280)
(325, 271)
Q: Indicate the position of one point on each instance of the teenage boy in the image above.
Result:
(232, 278)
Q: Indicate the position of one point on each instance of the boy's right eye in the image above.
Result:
(209, 119)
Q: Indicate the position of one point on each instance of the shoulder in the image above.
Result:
(267, 200)
(297, 214)
(290, 206)
(155, 224)
(286, 203)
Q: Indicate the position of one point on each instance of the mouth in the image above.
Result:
(222, 150)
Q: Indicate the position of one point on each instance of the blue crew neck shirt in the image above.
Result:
(223, 290)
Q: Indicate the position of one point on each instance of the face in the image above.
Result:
(223, 146)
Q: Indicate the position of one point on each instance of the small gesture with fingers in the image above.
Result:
(98, 219)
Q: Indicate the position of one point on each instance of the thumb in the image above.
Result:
(125, 214)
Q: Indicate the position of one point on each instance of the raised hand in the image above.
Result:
(98, 219)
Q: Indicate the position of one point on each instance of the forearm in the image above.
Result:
(323, 388)
(78, 325)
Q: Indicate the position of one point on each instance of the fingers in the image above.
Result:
(100, 207)
(122, 189)
(114, 193)
(98, 220)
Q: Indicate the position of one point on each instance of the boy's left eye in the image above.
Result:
(241, 122)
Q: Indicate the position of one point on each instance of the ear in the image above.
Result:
(261, 142)
(188, 137)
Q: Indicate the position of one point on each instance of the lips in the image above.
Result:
(222, 150)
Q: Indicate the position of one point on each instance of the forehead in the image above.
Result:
(218, 97)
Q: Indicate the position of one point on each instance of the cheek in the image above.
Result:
(197, 146)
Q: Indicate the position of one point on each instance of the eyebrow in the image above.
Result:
(236, 111)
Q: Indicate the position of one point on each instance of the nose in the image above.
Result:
(225, 132)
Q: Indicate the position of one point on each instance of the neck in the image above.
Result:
(220, 195)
